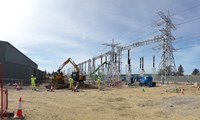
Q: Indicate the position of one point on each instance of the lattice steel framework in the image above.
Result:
(114, 69)
(167, 66)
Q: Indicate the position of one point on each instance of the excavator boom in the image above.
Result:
(99, 68)
(75, 75)
(66, 62)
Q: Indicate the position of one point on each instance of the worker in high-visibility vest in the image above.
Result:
(71, 83)
(99, 82)
(33, 79)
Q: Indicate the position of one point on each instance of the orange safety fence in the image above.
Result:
(4, 95)
(4, 102)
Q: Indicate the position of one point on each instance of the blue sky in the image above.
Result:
(51, 31)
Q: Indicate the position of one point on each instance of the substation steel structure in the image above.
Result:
(167, 65)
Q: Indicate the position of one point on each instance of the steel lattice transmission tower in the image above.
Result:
(167, 65)
(113, 72)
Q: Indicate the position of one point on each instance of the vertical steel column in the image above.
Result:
(142, 63)
(85, 70)
(153, 61)
(129, 61)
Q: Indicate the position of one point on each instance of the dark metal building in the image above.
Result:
(16, 65)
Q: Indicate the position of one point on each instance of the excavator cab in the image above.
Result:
(77, 77)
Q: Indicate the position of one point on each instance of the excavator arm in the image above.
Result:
(99, 68)
(66, 62)
(75, 75)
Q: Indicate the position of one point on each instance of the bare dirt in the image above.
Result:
(126, 103)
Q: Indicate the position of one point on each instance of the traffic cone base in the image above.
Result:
(17, 117)
(19, 114)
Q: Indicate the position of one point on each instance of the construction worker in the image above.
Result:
(33, 79)
(71, 83)
(99, 82)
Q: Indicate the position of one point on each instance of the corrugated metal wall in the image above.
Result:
(14, 70)
(15, 56)
(16, 64)
(2, 51)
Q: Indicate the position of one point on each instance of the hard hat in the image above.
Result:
(31, 75)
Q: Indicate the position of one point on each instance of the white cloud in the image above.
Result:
(12, 13)
(50, 31)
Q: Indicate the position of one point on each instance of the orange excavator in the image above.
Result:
(77, 75)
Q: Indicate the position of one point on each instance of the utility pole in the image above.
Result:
(167, 65)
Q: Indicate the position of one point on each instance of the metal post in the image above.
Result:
(129, 68)
(142, 63)
(153, 61)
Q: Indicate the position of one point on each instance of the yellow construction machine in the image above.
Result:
(77, 75)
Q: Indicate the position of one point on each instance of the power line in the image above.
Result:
(127, 33)
(188, 21)
(195, 6)
(186, 47)
(146, 35)
(187, 37)
(140, 28)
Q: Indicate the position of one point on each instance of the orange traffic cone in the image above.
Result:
(19, 111)
(18, 87)
(51, 89)
(182, 91)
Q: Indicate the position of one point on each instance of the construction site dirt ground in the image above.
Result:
(126, 103)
